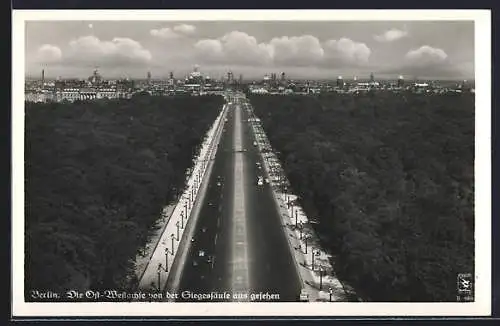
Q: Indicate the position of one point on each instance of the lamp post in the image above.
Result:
(331, 292)
(314, 253)
(305, 240)
(185, 209)
(159, 277)
(182, 220)
(177, 225)
(300, 230)
(172, 236)
(166, 259)
(295, 217)
(320, 277)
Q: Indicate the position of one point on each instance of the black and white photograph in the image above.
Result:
(321, 162)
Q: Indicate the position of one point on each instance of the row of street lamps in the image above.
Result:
(188, 205)
(300, 225)
(303, 236)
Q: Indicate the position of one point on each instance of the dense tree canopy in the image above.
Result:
(97, 176)
(390, 178)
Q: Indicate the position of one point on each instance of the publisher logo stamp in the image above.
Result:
(465, 287)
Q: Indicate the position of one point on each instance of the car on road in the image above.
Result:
(260, 181)
(304, 295)
(202, 258)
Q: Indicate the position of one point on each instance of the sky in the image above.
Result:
(301, 49)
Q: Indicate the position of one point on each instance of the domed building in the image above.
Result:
(195, 77)
(96, 78)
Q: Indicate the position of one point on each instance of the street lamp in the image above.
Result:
(182, 219)
(314, 253)
(300, 230)
(331, 292)
(172, 236)
(166, 259)
(305, 240)
(159, 277)
(186, 210)
(177, 225)
(295, 217)
(320, 277)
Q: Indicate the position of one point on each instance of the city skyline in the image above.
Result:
(302, 49)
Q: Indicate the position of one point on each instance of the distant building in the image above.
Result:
(208, 81)
(401, 81)
(258, 90)
(194, 78)
(38, 96)
(96, 78)
(68, 94)
(340, 82)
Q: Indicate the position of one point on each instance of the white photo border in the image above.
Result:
(482, 304)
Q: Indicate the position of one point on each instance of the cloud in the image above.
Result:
(233, 48)
(428, 61)
(212, 49)
(185, 29)
(426, 55)
(48, 53)
(118, 51)
(240, 48)
(164, 33)
(347, 51)
(391, 35)
(175, 32)
(296, 50)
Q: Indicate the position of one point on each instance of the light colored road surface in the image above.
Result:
(239, 229)
(240, 277)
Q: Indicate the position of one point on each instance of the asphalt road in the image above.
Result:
(239, 244)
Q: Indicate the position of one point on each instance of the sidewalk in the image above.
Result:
(143, 257)
(303, 244)
(158, 268)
